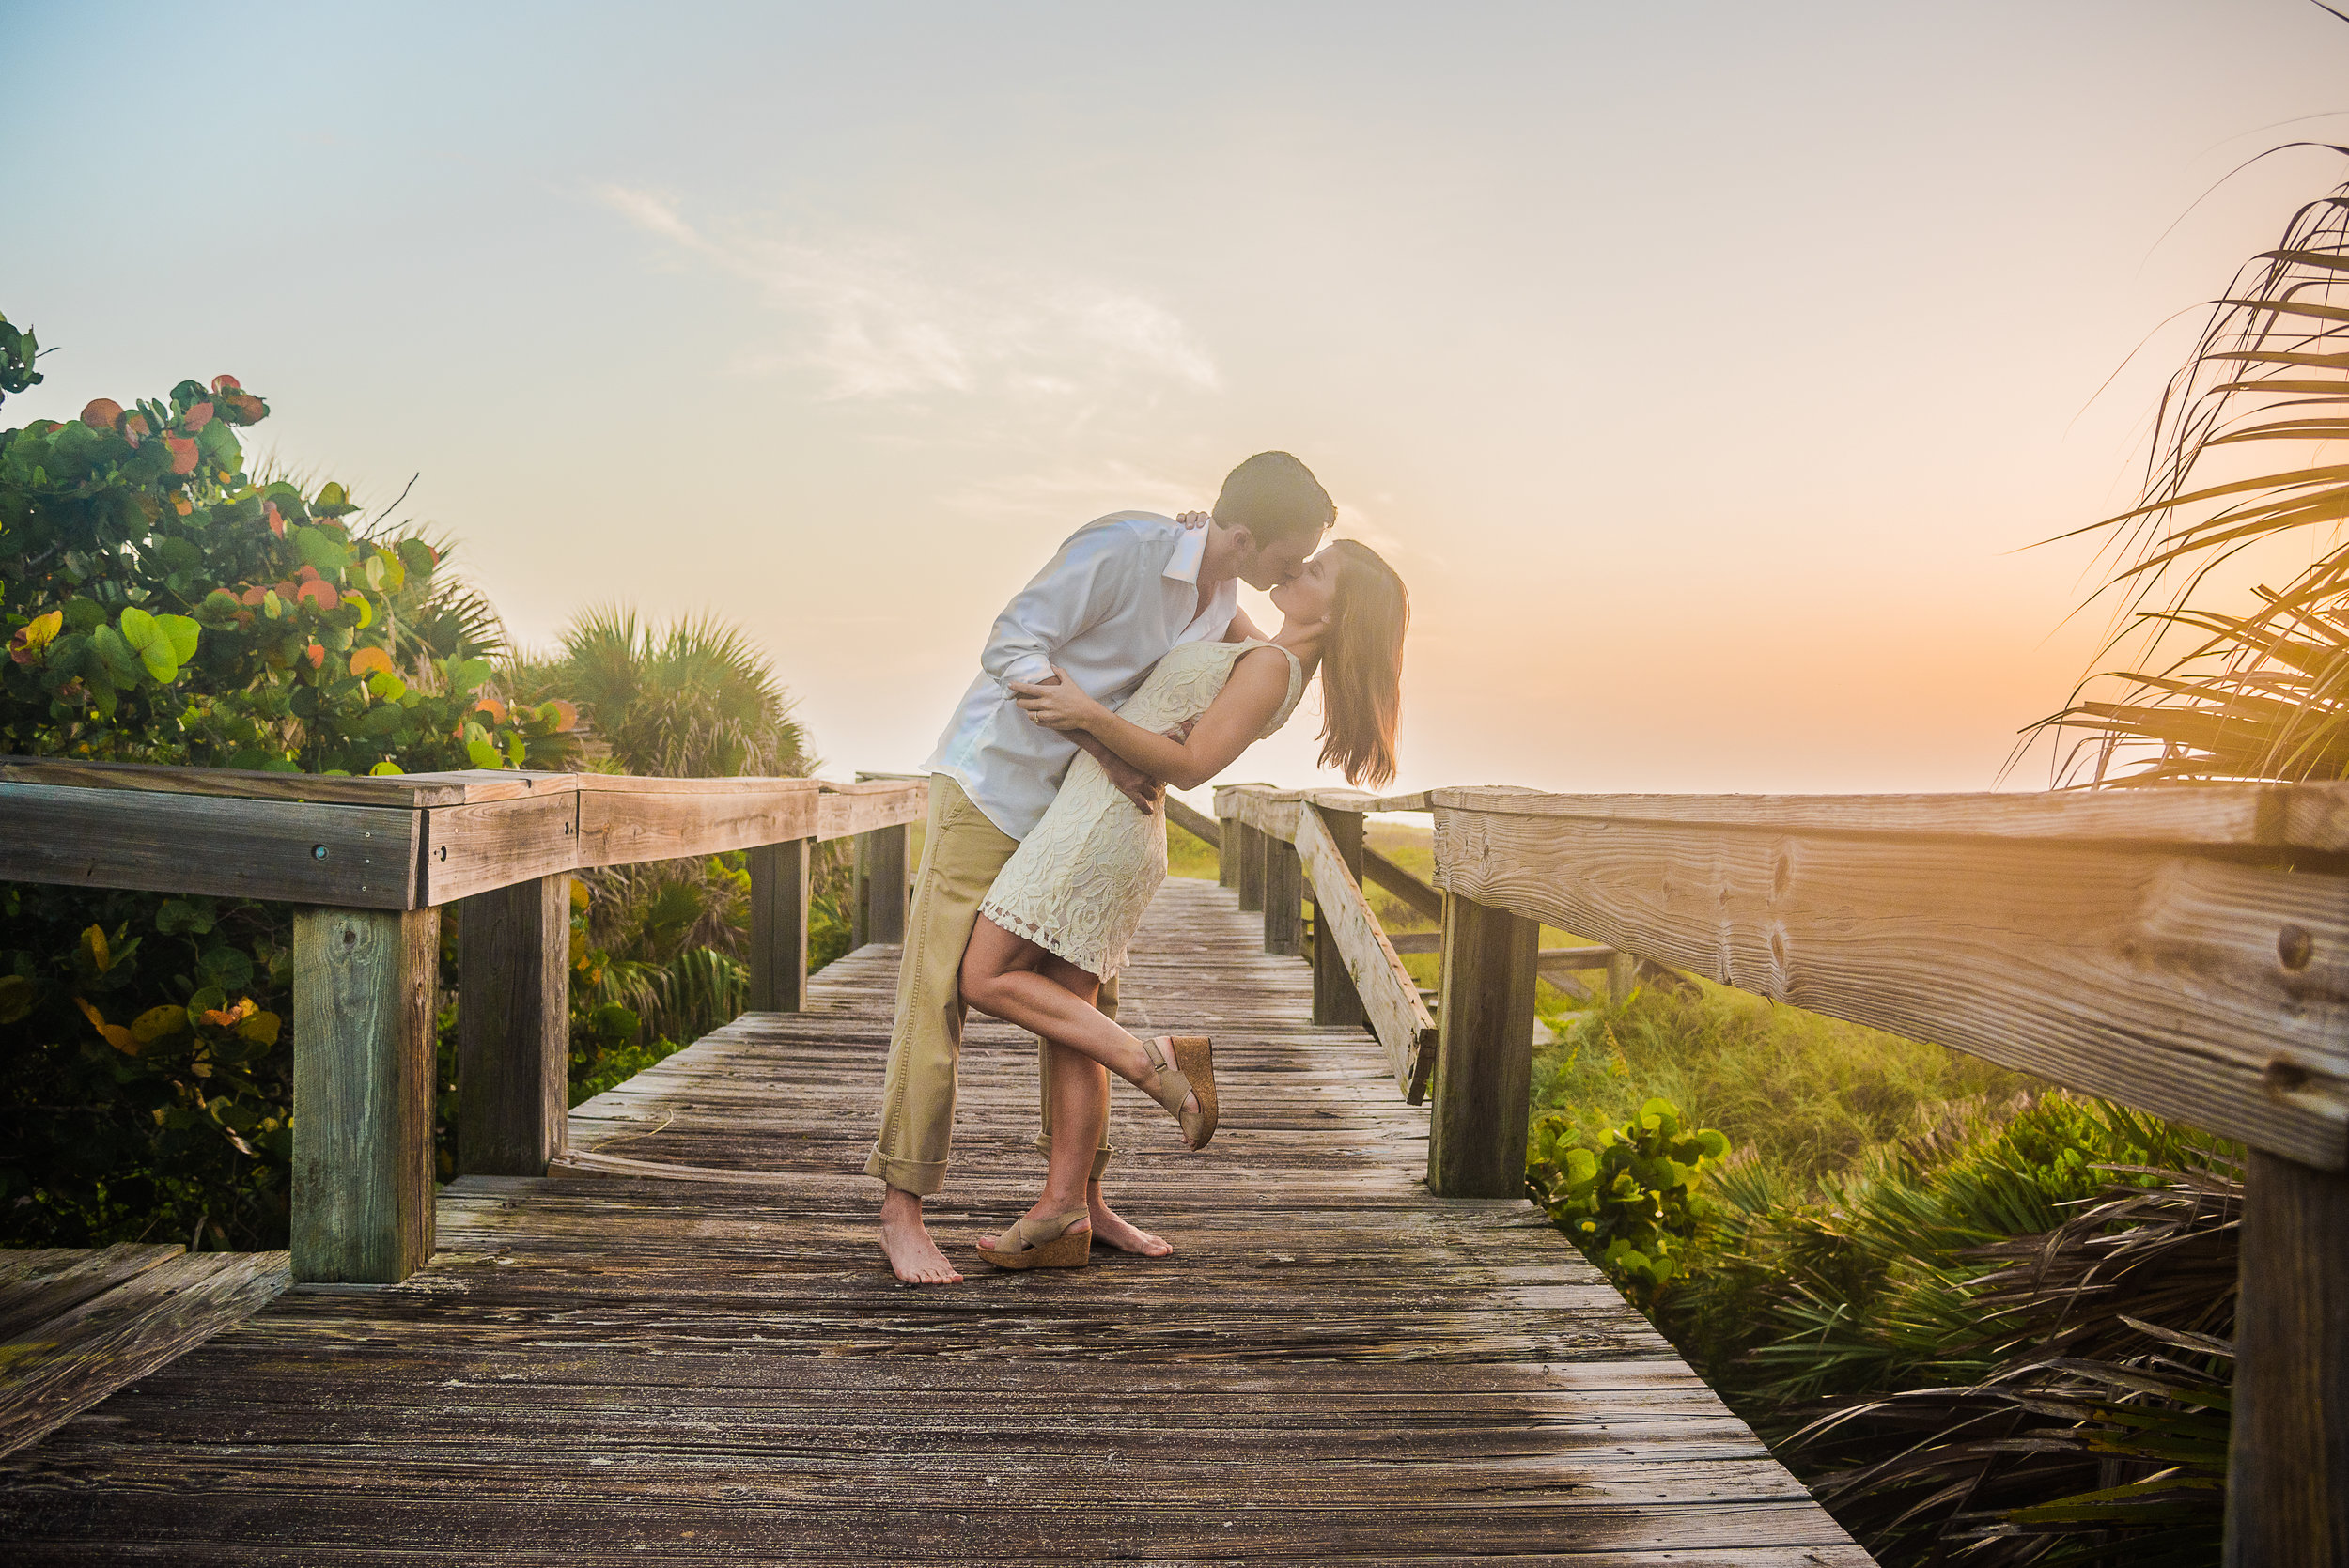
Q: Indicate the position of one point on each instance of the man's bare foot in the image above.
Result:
(1045, 1209)
(914, 1257)
(1112, 1229)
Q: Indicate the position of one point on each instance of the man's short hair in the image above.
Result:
(1277, 499)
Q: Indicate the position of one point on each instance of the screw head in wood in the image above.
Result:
(318, 851)
(2295, 947)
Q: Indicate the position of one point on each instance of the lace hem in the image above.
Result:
(1029, 930)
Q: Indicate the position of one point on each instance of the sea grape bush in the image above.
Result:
(163, 606)
(1633, 1204)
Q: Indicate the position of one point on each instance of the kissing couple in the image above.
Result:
(1124, 666)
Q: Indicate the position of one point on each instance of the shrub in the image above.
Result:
(1632, 1203)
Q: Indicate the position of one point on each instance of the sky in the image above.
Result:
(1709, 371)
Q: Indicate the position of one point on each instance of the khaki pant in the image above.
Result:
(961, 853)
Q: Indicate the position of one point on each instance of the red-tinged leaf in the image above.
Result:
(182, 505)
(100, 413)
(368, 662)
(183, 452)
(491, 707)
(134, 428)
(308, 574)
(318, 592)
(251, 596)
(285, 591)
(226, 383)
(196, 418)
(565, 716)
(316, 656)
(276, 523)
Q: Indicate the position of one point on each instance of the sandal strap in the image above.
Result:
(1032, 1233)
(1172, 1086)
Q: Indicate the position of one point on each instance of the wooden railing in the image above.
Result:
(370, 864)
(2183, 952)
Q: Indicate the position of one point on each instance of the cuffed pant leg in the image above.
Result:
(961, 853)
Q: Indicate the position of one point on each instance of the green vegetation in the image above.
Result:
(162, 604)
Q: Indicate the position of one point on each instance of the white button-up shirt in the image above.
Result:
(1122, 592)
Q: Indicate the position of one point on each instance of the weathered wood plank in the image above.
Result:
(476, 849)
(1249, 846)
(513, 1028)
(843, 810)
(881, 886)
(622, 827)
(1484, 1054)
(1284, 897)
(2208, 989)
(363, 988)
(1336, 999)
(53, 1371)
(35, 1287)
(2288, 1465)
(222, 847)
(1389, 996)
(780, 879)
(402, 791)
(2312, 817)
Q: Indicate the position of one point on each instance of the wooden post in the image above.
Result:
(1484, 1053)
(1623, 976)
(1284, 899)
(2288, 1462)
(880, 885)
(1227, 852)
(779, 888)
(513, 1027)
(363, 985)
(1335, 1000)
(1248, 870)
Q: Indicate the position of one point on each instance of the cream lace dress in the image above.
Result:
(1079, 884)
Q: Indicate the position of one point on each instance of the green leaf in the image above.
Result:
(83, 614)
(466, 673)
(484, 755)
(17, 996)
(319, 549)
(121, 662)
(182, 632)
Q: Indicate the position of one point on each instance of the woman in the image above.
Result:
(1068, 900)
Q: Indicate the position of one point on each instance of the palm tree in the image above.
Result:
(2211, 692)
(696, 700)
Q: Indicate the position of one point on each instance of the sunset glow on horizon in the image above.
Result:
(1706, 370)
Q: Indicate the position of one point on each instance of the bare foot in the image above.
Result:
(1112, 1229)
(1045, 1209)
(914, 1257)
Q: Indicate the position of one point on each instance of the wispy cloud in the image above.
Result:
(882, 319)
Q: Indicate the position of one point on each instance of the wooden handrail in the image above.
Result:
(1389, 998)
(370, 864)
(2183, 952)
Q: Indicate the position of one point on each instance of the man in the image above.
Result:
(1121, 591)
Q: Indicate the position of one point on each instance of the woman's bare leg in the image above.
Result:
(1002, 975)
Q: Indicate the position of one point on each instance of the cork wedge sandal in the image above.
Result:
(1043, 1244)
(1190, 1071)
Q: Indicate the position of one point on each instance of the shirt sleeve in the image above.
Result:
(1078, 588)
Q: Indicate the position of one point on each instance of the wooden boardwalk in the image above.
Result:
(682, 1347)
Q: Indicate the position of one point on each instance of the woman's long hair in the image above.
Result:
(1362, 666)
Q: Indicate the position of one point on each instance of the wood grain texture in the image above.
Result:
(1336, 999)
(2288, 1465)
(472, 849)
(1484, 1053)
(881, 886)
(843, 810)
(64, 1365)
(513, 1028)
(2202, 988)
(1389, 997)
(780, 879)
(1283, 898)
(214, 845)
(406, 790)
(363, 988)
(702, 1361)
(2312, 817)
(1249, 850)
(620, 827)
(35, 1287)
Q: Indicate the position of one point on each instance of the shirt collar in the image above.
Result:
(1191, 548)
